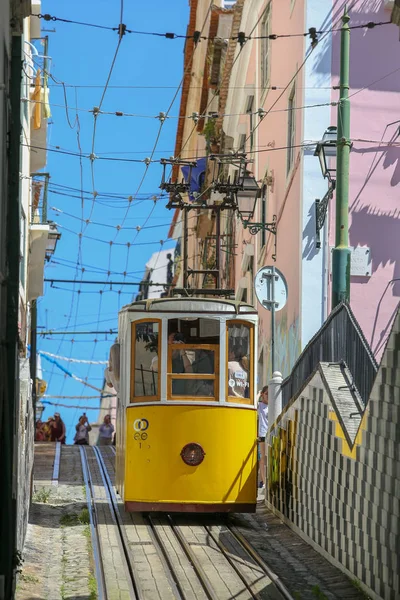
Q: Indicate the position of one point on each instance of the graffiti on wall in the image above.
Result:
(282, 483)
(287, 345)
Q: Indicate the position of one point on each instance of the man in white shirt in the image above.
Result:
(262, 413)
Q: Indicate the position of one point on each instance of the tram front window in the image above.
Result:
(146, 346)
(193, 350)
(239, 359)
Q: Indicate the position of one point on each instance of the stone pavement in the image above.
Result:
(306, 574)
(57, 553)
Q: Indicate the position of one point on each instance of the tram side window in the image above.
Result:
(239, 359)
(193, 358)
(146, 351)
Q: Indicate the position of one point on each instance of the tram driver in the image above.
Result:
(238, 373)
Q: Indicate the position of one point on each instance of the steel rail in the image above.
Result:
(136, 590)
(257, 558)
(225, 552)
(100, 578)
(193, 560)
(56, 466)
(165, 559)
(204, 581)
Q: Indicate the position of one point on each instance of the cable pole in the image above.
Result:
(341, 256)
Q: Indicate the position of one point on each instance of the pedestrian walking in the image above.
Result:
(106, 431)
(39, 433)
(82, 431)
(57, 431)
(262, 413)
(47, 428)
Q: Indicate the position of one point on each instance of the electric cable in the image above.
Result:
(196, 36)
(121, 33)
(119, 114)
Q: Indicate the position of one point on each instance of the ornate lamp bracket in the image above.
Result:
(321, 208)
(255, 228)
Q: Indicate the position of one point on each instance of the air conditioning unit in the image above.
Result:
(248, 253)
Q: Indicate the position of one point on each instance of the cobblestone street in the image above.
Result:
(57, 554)
(58, 560)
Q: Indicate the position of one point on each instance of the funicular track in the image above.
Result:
(192, 557)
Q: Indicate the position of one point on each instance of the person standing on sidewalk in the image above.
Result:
(82, 431)
(106, 431)
(57, 432)
(262, 413)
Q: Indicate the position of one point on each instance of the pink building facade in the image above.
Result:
(295, 85)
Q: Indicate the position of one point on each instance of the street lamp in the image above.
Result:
(52, 239)
(39, 410)
(326, 149)
(246, 201)
(247, 196)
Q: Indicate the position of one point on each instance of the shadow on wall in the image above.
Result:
(367, 51)
(390, 156)
(380, 231)
(310, 249)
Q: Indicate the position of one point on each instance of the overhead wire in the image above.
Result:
(197, 35)
(120, 113)
(121, 33)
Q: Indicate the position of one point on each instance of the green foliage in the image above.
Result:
(92, 584)
(41, 496)
(17, 561)
(318, 593)
(84, 517)
(28, 578)
(69, 520)
(357, 585)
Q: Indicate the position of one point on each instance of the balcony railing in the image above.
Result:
(40, 182)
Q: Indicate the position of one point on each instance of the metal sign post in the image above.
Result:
(271, 291)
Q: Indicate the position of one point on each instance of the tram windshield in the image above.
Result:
(146, 351)
(239, 358)
(193, 358)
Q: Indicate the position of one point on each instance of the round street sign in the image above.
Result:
(265, 289)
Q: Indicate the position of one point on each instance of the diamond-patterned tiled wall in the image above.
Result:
(334, 471)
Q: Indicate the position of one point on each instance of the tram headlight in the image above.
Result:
(192, 454)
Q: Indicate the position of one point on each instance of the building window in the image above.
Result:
(249, 111)
(291, 133)
(265, 46)
(242, 142)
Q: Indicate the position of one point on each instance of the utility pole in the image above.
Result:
(341, 255)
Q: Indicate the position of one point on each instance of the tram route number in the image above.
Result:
(140, 426)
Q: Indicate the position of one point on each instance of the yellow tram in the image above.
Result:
(187, 419)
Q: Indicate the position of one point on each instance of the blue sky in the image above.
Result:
(82, 56)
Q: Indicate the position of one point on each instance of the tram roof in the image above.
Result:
(190, 305)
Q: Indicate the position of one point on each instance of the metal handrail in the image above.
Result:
(339, 339)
